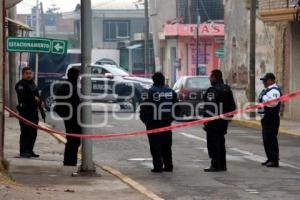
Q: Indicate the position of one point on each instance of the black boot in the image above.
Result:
(272, 164)
(214, 167)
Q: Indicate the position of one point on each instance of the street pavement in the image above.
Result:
(245, 178)
(46, 177)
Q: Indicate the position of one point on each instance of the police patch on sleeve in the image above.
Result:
(20, 87)
(211, 96)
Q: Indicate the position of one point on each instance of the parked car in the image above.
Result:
(191, 90)
(111, 83)
(106, 61)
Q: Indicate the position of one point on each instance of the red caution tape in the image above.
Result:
(284, 98)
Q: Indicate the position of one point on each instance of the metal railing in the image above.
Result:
(276, 4)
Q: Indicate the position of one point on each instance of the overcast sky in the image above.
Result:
(64, 5)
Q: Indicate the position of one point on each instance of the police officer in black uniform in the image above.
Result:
(29, 105)
(70, 116)
(156, 112)
(218, 100)
(270, 120)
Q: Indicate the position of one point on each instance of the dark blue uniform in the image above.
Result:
(218, 100)
(71, 125)
(28, 108)
(153, 117)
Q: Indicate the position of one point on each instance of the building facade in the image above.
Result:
(182, 42)
(175, 33)
(283, 16)
(208, 9)
(277, 48)
(119, 26)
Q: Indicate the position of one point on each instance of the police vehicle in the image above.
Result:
(113, 84)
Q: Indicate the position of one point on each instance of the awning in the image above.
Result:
(19, 25)
(135, 46)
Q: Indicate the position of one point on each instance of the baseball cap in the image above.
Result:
(268, 76)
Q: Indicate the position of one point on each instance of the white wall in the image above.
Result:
(295, 70)
(112, 54)
(236, 61)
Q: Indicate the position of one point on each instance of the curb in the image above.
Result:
(60, 138)
(133, 184)
(257, 125)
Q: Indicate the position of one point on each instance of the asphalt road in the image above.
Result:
(245, 178)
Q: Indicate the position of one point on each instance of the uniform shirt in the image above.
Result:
(27, 91)
(162, 99)
(73, 101)
(271, 95)
(218, 100)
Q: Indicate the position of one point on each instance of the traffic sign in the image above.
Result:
(220, 53)
(59, 46)
(36, 45)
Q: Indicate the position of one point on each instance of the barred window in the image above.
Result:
(209, 10)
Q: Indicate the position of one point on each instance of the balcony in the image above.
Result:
(279, 10)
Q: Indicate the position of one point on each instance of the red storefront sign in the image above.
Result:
(191, 29)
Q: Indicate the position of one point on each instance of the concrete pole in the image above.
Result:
(87, 166)
(12, 31)
(37, 33)
(198, 37)
(188, 10)
(43, 19)
(252, 53)
(2, 54)
(37, 17)
(155, 31)
(146, 38)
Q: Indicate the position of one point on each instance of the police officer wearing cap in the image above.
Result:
(218, 100)
(156, 112)
(28, 107)
(270, 119)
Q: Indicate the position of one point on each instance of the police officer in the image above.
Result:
(218, 100)
(156, 112)
(70, 116)
(29, 104)
(270, 120)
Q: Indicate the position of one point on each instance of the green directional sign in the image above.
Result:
(59, 46)
(220, 53)
(36, 45)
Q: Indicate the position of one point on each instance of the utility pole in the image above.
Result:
(37, 33)
(146, 37)
(2, 69)
(188, 10)
(37, 18)
(197, 39)
(12, 31)
(252, 53)
(87, 166)
(43, 20)
(155, 33)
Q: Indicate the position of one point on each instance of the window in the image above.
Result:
(99, 71)
(116, 30)
(178, 84)
(197, 82)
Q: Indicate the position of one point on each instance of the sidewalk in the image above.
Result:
(46, 178)
(286, 126)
